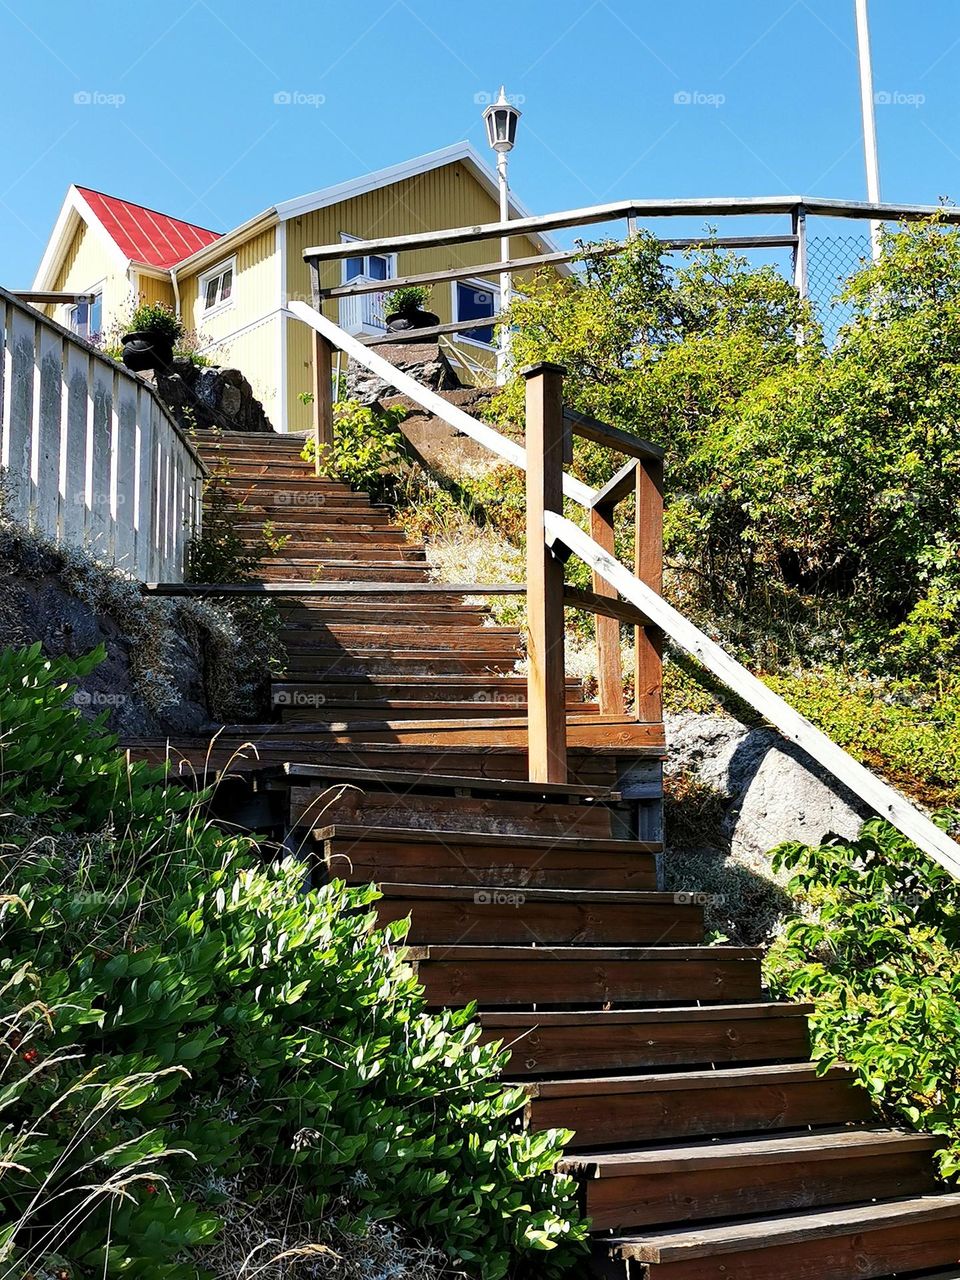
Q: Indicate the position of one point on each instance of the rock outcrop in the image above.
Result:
(208, 397)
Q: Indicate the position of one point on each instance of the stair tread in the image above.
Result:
(566, 897)
(677, 1081)
(419, 835)
(598, 955)
(708, 1241)
(691, 1013)
(441, 781)
(740, 1152)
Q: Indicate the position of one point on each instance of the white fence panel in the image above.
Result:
(89, 456)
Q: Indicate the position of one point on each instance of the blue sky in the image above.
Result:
(183, 116)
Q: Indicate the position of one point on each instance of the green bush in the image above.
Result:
(876, 948)
(367, 448)
(192, 1039)
(156, 317)
(406, 299)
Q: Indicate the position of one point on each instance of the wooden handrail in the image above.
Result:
(581, 424)
(454, 417)
(873, 791)
(722, 206)
(555, 259)
(617, 487)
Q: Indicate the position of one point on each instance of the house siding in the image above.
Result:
(449, 196)
(87, 264)
(151, 290)
(244, 335)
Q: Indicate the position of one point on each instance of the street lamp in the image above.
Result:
(501, 120)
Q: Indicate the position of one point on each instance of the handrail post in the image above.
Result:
(546, 681)
(609, 662)
(322, 376)
(649, 569)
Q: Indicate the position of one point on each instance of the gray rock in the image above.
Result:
(210, 397)
(772, 791)
(422, 360)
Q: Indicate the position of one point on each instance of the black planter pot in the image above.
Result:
(146, 350)
(402, 321)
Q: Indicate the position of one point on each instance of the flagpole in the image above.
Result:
(868, 109)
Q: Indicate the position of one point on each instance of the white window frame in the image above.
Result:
(347, 238)
(228, 264)
(488, 287)
(68, 309)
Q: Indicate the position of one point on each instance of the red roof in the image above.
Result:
(144, 235)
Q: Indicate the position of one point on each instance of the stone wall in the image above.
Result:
(207, 397)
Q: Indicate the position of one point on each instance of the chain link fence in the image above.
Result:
(831, 260)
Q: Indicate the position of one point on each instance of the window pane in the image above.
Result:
(210, 298)
(95, 316)
(377, 267)
(472, 304)
(78, 319)
(226, 284)
(353, 268)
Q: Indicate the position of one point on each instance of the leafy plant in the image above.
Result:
(406, 300)
(367, 447)
(265, 1050)
(156, 318)
(876, 949)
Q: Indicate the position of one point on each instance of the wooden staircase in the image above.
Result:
(707, 1145)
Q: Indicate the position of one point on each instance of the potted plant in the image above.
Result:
(154, 329)
(404, 308)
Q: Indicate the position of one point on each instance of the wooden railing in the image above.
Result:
(618, 595)
(89, 456)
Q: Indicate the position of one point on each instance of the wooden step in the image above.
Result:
(316, 664)
(648, 1108)
(307, 637)
(563, 976)
(404, 781)
(631, 1039)
(744, 1177)
(867, 1241)
(353, 715)
(332, 570)
(307, 550)
(493, 815)
(360, 855)
(508, 916)
(354, 613)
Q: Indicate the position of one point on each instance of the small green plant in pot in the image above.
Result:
(404, 308)
(154, 329)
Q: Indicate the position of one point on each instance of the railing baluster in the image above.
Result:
(322, 376)
(609, 662)
(649, 569)
(546, 684)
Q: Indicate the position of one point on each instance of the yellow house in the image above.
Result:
(232, 289)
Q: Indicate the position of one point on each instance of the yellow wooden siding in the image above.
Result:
(87, 264)
(254, 353)
(255, 294)
(446, 197)
(152, 291)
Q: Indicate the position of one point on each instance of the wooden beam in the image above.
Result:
(537, 261)
(609, 661)
(617, 488)
(721, 206)
(322, 396)
(546, 688)
(43, 296)
(377, 589)
(648, 558)
(612, 437)
(608, 606)
(434, 331)
(876, 793)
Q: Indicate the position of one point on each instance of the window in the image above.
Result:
(376, 266)
(86, 318)
(216, 286)
(363, 313)
(472, 300)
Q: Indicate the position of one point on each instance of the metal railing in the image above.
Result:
(89, 456)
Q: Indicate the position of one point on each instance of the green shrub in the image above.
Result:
(876, 949)
(192, 1040)
(407, 299)
(156, 317)
(367, 448)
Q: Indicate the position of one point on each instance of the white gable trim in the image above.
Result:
(74, 210)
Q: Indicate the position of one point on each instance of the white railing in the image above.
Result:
(89, 456)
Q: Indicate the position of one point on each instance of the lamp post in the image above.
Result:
(501, 120)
